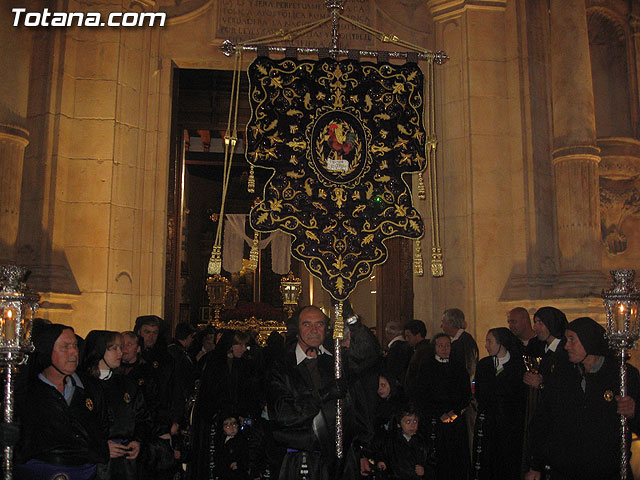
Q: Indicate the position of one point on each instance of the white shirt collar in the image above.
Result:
(552, 346)
(301, 355)
(399, 338)
(457, 335)
(502, 361)
(441, 360)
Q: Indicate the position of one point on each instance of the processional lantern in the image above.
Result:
(290, 289)
(17, 308)
(217, 289)
(621, 303)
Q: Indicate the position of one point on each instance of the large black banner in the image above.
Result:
(339, 136)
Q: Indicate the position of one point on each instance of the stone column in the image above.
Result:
(15, 55)
(634, 21)
(575, 155)
(13, 140)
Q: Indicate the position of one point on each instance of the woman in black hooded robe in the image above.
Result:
(128, 418)
(501, 396)
(447, 393)
(229, 383)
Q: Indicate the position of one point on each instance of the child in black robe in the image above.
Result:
(233, 452)
(404, 454)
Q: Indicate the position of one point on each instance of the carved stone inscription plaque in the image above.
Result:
(240, 20)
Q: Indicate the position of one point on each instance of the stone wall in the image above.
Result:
(520, 216)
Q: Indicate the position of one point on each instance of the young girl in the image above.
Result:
(391, 397)
(129, 421)
(404, 455)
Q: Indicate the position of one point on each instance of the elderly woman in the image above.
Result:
(446, 396)
(129, 421)
(549, 323)
(501, 399)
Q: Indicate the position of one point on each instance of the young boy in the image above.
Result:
(232, 452)
(405, 454)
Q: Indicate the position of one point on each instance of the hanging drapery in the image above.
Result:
(235, 238)
(339, 136)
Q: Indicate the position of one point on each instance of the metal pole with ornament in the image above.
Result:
(17, 308)
(621, 303)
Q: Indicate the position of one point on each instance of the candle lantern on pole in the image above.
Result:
(621, 303)
(17, 308)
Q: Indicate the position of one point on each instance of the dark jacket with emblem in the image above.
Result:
(141, 373)
(169, 403)
(577, 432)
(128, 420)
(126, 409)
(62, 434)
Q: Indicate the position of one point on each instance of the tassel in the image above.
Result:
(418, 267)
(254, 254)
(436, 262)
(422, 193)
(215, 262)
(251, 183)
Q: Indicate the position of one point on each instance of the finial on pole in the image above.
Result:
(334, 7)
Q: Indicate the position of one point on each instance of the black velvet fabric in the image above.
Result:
(502, 401)
(447, 388)
(229, 386)
(339, 135)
